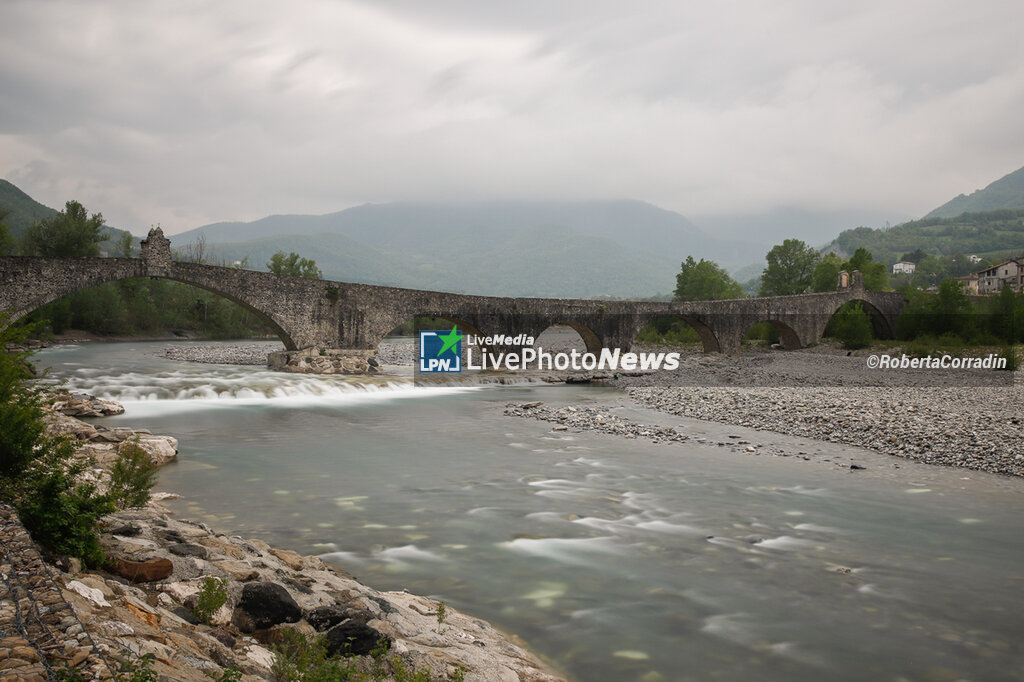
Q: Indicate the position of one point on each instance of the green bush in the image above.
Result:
(212, 596)
(852, 326)
(132, 476)
(668, 331)
(1012, 361)
(39, 474)
(765, 332)
(298, 657)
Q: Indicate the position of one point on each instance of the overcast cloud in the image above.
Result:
(188, 112)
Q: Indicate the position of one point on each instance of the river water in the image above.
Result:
(616, 559)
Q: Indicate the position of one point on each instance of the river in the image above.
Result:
(616, 559)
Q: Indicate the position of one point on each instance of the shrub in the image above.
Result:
(852, 326)
(670, 331)
(1012, 361)
(765, 332)
(212, 596)
(132, 477)
(39, 475)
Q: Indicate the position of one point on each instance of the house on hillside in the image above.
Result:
(1009, 272)
(904, 266)
(969, 283)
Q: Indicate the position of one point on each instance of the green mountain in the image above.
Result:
(578, 249)
(24, 210)
(1005, 193)
(988, 223)
(990, 234)
(569, 264)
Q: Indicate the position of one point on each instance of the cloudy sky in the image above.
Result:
(188, 112)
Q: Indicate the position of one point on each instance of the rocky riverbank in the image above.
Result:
(144, 603)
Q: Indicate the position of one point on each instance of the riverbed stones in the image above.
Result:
(594, 419)
(223, 354)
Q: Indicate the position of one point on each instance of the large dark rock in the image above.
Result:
(353, 637)
(264, 605)
(323, 618)
(188, 549)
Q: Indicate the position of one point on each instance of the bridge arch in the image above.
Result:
(398, 320)
(706, 335)
(880, 324)
(788, 336)
(591, 341)
(68, 276)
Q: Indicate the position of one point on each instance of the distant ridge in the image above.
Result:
(1005, 193)
(622, 248)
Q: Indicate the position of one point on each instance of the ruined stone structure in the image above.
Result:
(328, 316)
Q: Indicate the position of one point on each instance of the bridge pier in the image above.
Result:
(325, 361)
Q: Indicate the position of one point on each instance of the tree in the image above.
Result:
(852, 326)
(124, 245)
(7, 242)
(293, 264)
(68, 234)
(915, 256)
(704, 281)
(790, 269)
(876, 277)
(826, 273)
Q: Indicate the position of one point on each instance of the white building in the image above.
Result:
(904, 266)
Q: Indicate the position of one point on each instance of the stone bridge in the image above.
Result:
(340, 316)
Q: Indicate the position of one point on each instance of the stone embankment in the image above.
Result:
(40, 632)
(143, 603)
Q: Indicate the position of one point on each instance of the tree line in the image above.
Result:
(945, 319)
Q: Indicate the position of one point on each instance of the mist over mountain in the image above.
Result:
(621, 248)
(609, 248)
(816, 227)
(1005, 193)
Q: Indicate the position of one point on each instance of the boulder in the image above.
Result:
(239, 571)
(57, 423)
(146, 571)
(323, 618)
(292, 559)
(161, 449)
(264, 605)
(82, 405)
(353, 637)
(187, 549)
